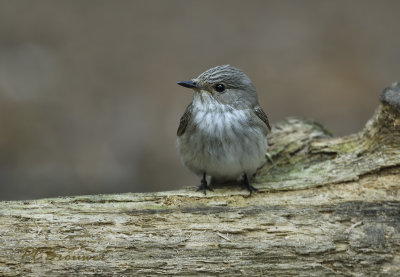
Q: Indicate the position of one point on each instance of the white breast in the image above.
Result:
(222, 143)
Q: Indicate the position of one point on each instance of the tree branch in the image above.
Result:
(326, 206)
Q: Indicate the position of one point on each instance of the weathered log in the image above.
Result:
(325, 206)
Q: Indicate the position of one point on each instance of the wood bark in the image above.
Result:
(325, 207)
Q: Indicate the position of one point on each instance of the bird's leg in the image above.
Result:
(204, 187)
(248, 185)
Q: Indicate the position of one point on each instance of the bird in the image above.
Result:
(223, 131)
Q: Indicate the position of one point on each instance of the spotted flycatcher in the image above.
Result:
(223, 132)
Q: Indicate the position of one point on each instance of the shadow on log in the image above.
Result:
(326, 207)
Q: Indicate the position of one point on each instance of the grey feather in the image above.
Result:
(185, 120)
(261, 114)
(223, 133)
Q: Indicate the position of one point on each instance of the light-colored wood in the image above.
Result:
(325, 207)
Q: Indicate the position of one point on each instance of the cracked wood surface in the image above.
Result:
(326, 207)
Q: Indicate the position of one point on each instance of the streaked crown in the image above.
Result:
(227, 74)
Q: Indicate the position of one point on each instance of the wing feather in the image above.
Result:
(184, 120)
(261, 114)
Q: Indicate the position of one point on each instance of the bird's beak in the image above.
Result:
(188, 84)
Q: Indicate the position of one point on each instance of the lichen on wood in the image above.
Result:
(325, 207)
(313, 158)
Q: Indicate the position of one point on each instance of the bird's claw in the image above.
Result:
(204, 187)
(249, 187)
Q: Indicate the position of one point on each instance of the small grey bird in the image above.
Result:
(223, 132)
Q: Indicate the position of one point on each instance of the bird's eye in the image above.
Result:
(219, 87)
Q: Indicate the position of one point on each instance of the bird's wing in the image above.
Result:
(184, 120)
(261, 114)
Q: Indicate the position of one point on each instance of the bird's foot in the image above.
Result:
(247, 184)
(250, 188)
(204, 186)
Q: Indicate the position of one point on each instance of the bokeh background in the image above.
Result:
(88, 96)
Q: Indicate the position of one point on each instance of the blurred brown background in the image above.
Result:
(88, 96)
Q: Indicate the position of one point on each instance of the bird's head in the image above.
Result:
(225, 84)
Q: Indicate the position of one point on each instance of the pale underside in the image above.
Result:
(221, 141)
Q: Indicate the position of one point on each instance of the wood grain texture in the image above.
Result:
(326, 207)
